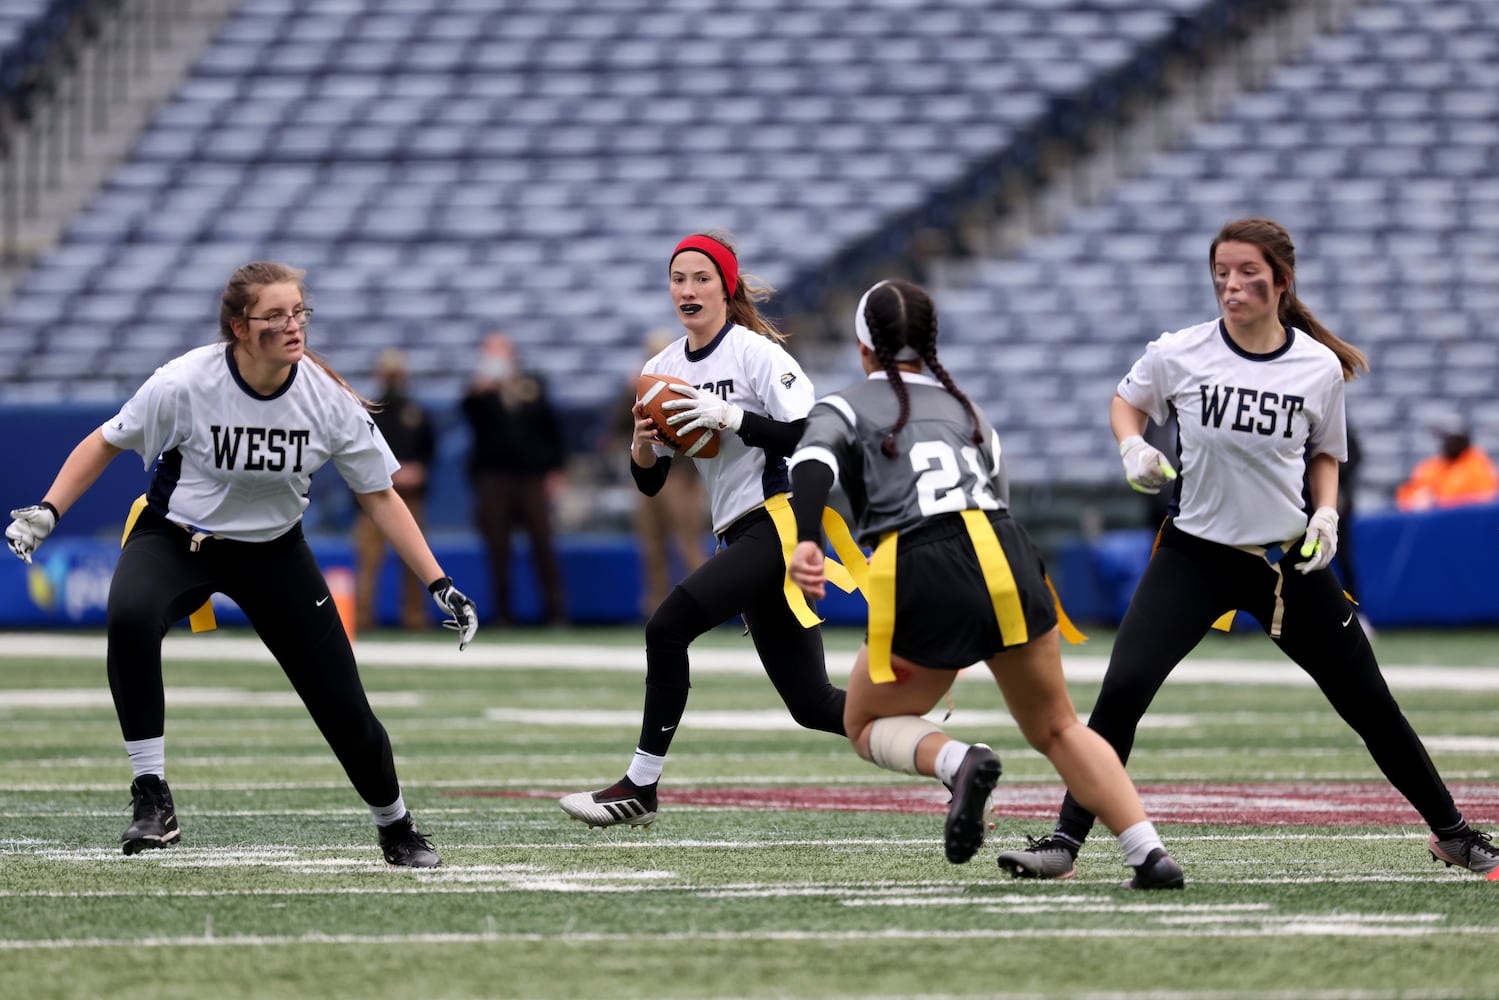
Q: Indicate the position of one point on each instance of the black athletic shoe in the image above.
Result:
(967, 814)
(1473, 850)
(1158, 872)
(1049, 857)
(155, 823)
(407, 846)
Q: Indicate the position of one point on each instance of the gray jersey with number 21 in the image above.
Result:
(937, 469)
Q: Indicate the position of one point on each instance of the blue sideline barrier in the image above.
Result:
(68, 582)
(1417, 570)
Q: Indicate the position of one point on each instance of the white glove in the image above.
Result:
(704, 408)
(1145, 467)
(30, 528)
(465, 620)
(1321, 540)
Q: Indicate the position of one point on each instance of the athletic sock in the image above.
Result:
(646, 768)
(1138, 841)
(1448, 832)
(949, 759)
(148, 756)
(386, 815)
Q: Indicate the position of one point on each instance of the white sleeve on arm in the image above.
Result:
(782, 387)
(364, 459)
(1329, 436)
(149, 422)
(1145, 385)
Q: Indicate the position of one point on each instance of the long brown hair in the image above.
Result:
(244, 288)
(749, 292)
(1280, 253)
(901, 314)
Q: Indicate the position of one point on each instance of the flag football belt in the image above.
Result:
(841, 575)
(203, 619)
(876, 578)
(1272, 554)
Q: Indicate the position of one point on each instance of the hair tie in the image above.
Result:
(723, 258)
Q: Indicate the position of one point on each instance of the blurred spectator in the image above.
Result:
(1459, 474)
(675, 518)
(407, 428)
(516, 469)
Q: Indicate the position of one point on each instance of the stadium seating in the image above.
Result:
(1379, 150)
(28, 29)
(442, 167)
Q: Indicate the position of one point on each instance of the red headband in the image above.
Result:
(723, 258)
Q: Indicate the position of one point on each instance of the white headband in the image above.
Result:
(861, 328)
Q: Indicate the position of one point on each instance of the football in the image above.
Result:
(652, 390)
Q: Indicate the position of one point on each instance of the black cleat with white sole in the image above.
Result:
(155, 817)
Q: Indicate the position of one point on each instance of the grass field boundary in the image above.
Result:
(409, 655)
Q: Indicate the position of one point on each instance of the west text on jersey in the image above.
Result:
(724, 387)
(265, 448)
(1254, 410)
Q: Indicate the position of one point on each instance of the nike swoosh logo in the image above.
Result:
(667, 729)
(325, 601)
(1348, 619)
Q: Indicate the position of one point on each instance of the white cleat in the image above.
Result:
(622, 802)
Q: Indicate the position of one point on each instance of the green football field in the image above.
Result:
(780, 865)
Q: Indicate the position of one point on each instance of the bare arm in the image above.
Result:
(1125, 419)
(80, 471)
(393, 518)
(1322, 481)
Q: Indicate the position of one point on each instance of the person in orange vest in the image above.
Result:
(1460, 474)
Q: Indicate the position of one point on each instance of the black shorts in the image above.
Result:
(944, 617)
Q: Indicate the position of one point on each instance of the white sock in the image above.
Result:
(949, 759)
(148, 756)
(384, 816)
(646, 768)
(1138, 841)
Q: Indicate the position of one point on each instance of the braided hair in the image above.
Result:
(902, 323)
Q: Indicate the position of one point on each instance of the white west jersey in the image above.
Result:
(758, 375)
(1247, 423)
(232, 462)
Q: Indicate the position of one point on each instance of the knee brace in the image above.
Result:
(893, 741)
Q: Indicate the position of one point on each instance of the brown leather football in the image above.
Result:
(652, 390)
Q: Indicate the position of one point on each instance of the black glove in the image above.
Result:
(465, 620)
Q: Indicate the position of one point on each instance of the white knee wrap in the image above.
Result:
(893, 741)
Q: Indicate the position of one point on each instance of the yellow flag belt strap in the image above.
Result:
(840, 575)
(203, 619)
(998, 577)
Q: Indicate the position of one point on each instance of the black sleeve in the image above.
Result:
(649, 481)
(811, 482)
(775, 436)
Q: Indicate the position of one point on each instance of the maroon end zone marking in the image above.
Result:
(1267, 804)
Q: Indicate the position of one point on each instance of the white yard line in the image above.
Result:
(1306, 927)
(530, 656)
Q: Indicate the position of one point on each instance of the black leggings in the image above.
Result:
(281, 590)
(745, 577)
(1187, 585)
